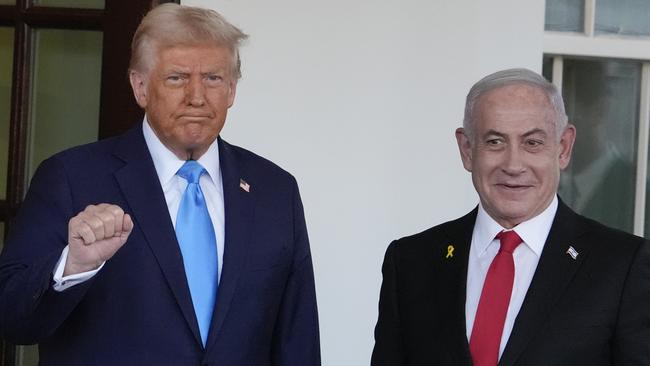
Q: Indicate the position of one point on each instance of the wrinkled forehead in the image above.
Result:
(160, 52)
(519, 95)
(515, 103)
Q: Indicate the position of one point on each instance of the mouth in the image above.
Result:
(514, 186)
(194, 117)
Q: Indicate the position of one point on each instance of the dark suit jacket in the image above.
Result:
(137, 310)
(594, 310)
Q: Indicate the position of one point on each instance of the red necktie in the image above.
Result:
(493, 305)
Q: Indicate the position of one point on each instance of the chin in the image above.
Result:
(196, 139)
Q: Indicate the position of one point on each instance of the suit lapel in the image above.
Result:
(554, 272)
(239, 210)
(453, 285)
(139, 183)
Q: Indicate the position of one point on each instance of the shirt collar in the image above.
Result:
(167, 163)
(533, 232)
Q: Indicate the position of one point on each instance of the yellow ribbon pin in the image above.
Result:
(450, 251)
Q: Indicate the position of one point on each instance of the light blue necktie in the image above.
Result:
(198, 243)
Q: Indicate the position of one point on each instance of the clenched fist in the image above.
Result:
(94, 235)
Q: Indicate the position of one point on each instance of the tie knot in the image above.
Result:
(509, 240)
(191, 171)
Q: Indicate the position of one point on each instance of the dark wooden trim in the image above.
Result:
(19, 114)
(118, 110)
(5, 213)
(7, 354)
(63, 18)
(8, 15)
(45, 17)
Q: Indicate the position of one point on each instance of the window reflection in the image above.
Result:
(602, 100)
(65, 92)
(626, 17)
(564, 15)
(84, 4)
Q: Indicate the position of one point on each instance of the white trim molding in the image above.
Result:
(642, 151)
(578, 44)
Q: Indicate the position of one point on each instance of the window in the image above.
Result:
(598, 53)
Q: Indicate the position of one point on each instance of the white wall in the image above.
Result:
(359, 100)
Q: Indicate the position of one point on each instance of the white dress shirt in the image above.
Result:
(484, 248)
(173, 186)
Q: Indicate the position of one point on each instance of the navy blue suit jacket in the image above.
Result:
(137, 310)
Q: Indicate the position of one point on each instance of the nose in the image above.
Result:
(513, 160)
(195, 92)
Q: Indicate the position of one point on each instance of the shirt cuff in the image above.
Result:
(62, 283)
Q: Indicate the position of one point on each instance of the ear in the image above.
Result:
(139, 86)
(566, 145)
(465, 148)
(232, 92)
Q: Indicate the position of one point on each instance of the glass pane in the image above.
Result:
(628, 17)
(27, 355)
(565, 15)
(65, 92)
(6, 68)
(602, 100)
(85, 4)
(7, 2)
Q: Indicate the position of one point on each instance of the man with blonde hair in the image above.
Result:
(166, 245)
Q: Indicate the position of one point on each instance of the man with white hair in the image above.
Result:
(521, 279)
(166, 245)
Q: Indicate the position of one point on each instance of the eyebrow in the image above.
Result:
(187, 71)
(534, 131)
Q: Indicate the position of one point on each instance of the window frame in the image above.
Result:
(587, 44)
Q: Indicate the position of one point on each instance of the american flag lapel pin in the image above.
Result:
(244, 185)
(572, 252)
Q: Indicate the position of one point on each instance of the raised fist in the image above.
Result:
(95, 235)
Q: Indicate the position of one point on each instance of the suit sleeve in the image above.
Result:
(296, 340)
(388, 350)
(631, 344)
(30, 309)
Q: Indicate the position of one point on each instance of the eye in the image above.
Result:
(213, 79)
(494, 142)
(174, 79)
(534, 143)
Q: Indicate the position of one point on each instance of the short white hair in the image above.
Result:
(514, 77)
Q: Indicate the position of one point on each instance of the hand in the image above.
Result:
(94, 236)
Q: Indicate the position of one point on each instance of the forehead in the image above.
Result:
(514, 107)
(194, 55)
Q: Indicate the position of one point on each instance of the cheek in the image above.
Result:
(485, 165)
(547, 169)
(168, 96)
(220, 98)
